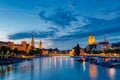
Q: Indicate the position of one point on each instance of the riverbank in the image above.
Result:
(13, 60)
(18, 59)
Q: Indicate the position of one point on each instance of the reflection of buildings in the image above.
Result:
(93, 45)
(84, 65)
(93, 72)
(4, 71)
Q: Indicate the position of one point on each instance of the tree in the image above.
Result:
(5, 52)
(33, 52)
(40, 52)
(4, 49)
(96, 52)
(22, 52)
(117, 51)
(56, 49)
(15, 51)
(77, 50)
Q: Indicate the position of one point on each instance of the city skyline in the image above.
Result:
(61, 26)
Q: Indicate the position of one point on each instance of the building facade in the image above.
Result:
(93, 45)
(23, 46)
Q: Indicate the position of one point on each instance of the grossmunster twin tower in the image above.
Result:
(23, 46)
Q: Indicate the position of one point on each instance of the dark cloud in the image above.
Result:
(59, 17)
(53, 29)
(109, 11)
(62, 39)
(95, 26)
(22, 35)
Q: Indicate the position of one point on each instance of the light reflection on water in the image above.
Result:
(93, 71)
(57, 68)
(84, 65)
(111, 73)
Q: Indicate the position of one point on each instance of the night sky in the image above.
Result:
(59, 23)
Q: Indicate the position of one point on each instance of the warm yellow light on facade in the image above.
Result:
(91, 40)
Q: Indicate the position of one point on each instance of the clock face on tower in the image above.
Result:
(91, 40)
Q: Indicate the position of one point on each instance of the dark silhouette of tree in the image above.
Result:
(34, 52)
(77, 50)
(22, 52)
(15, 50)
(40, 52)
(56, 49)
(5, 51)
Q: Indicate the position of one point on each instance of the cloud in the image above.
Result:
(106, 9)
(37, 34)
(60, 17)
(53, 29)
(97, 27)
(88, 26)
(75, 31)
(112, 12)
(107, 2)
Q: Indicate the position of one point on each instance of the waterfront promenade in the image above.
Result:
(101, 55)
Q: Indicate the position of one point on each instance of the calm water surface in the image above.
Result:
(57, 68)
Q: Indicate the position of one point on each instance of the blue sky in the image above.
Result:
(59, 23)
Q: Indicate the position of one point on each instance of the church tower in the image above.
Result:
(105, 40)
(40, 45)
(32, 42)
(91, 40)
(105, 43)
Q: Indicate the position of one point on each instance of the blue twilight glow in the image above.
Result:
(59, 23)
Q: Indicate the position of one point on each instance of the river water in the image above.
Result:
(57, 68)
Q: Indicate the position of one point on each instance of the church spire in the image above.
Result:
(40, 45)
(105, 39)
(32, 42)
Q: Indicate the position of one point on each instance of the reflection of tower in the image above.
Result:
(93, 72)
(40, 45)
(111, 73)
(91, 40)
(84, 65)
(32, 42)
